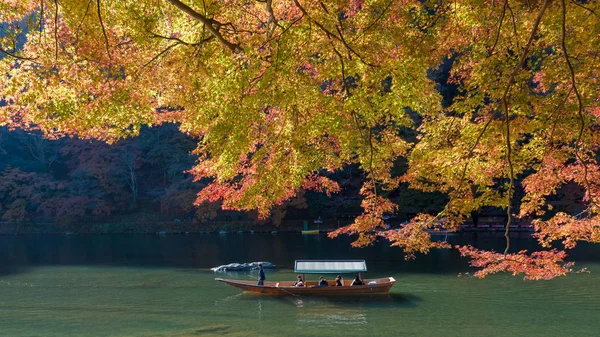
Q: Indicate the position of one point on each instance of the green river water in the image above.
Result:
(148, 285)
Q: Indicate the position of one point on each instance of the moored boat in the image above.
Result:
(310, 232)
(370, 286)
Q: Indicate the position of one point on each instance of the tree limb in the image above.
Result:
(579, 144)
(161, 53)
(103, 31)
(367, 28)
(330, 34)
(491, 51)
(24, 58)
(509, 85)
(208, 23)
(272, 22)
(170, 38)
(514, 25)
(56, 30)
(586, 8)
(87, 9)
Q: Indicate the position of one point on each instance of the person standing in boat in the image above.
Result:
(261, 275)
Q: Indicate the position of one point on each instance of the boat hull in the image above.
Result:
(382, 285)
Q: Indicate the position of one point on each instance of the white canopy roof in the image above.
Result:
(330, 266)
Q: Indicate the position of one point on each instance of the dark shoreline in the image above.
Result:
(273, 231)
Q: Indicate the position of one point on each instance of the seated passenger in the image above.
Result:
(338, 281)
(323, 282)
(299, 282)
(357, 281)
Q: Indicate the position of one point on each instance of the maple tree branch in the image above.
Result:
(579, 143)
(372, 24)
(470, 155)
(87, 9)
(324, 7)
(56, 30)
(272, 22)
(41, 24)
(350, 49)
(464, 172)
(325, 30)
(13, 55)
(171, 38)
(371, 160)
(551, 136)
(161, 53)
(330, 34)
(369, 139)
(491, 51)
(586, 8)
(103, 31)
(514, 25)
(208, 23)
(509, 85)
(342, 64)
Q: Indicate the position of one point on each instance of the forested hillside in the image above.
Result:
(84, 185)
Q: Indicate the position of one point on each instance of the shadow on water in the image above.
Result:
(9, 270)
(200, 252)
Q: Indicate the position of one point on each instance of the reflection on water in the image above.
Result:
(315, 312)
(343, 317)
(259, 308)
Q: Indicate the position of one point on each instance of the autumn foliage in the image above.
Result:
(279, 93)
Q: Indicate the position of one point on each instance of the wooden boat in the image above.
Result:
(311, 232)
(371, 286)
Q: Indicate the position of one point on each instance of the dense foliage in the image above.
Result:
(279, 93)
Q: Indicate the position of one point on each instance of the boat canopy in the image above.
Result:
(330, 266)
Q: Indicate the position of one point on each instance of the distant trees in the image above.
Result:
(22, 193)
(69, 180)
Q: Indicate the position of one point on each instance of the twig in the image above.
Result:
(491, 51)
(208, 23)
(161, 53)
(509, 85)
(579, 144)
(368, 27)
(103, 31)
(514, 24)
(330, 34)
(56, 30)
(41, 16)
(272, 22)
(87, 9)
(586, 8)
(24, 58)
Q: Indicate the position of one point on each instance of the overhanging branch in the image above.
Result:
(208, 23)
(511, 81)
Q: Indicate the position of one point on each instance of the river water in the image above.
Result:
(160, 286)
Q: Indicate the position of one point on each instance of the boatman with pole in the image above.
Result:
(261, 275)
